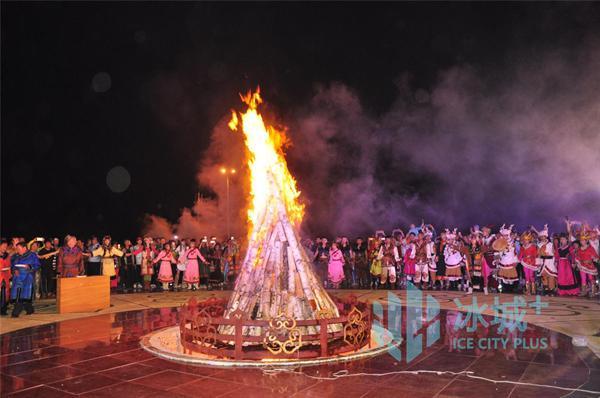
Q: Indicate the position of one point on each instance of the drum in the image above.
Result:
(500, 244)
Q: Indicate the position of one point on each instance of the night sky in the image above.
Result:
(83, 87)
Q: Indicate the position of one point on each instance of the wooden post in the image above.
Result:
(323, 336)
(238, 337)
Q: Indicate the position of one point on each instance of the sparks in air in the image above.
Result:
(271, 183)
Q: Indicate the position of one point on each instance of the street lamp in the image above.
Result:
(227, 172)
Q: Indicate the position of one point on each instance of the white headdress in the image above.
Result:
(506, 231)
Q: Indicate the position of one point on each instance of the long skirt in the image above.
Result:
(567, 281)
(335, 271)
(165, 273)
(508, 274)
(108, 267)
(453, 272)
(409, 267)
(192, 273)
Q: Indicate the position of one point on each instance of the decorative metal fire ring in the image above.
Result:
(282, 341)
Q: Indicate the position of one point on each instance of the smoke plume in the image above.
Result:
(518, 143)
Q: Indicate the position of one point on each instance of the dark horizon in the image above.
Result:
(87, 87)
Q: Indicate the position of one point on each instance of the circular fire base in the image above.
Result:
(165, 343)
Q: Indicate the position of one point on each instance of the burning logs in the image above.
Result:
(277, 278)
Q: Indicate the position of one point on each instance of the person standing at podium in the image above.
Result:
(70, 259)
(108, 253)
(23, 265)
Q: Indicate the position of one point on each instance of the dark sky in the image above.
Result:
(65, 125)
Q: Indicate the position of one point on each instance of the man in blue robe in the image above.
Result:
(23, 265)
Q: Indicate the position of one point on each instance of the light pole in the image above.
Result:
(227, 172)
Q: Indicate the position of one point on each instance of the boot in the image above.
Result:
(527, 288)
(485, 291)
(583, 292)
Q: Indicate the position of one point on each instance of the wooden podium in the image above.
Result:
(83, 294)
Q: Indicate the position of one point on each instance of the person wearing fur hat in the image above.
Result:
(546, 261)
(528, 258)
(507, 261)
(585, 257)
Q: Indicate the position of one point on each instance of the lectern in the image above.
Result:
(83, 294)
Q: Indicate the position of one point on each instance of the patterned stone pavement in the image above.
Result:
(53, 355)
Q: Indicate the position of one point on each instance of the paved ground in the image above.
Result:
(570, 316)
(98, 355)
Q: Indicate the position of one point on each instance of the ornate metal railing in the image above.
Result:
(282, 337)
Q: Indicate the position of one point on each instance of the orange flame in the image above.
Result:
(271, 183)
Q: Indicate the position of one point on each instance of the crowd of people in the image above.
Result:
(530, 262)
(30, 269)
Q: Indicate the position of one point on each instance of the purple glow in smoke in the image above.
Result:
(518, 144)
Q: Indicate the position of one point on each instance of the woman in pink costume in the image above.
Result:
(165, 272)
(192, 270)
(336, 266)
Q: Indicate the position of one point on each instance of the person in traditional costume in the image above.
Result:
(180, 251)
(454, 259)
(528, 258)
(465, 270)
(546, 261)
(388, 254)
(488, 258)
(335, 267)
(375, 263)
(421, 277)
(107, 252)
(23, 265)
(567, 280)
(585, 257)
(361, 263)
(230, 254)
(431, 259)
(439, 259)
(507, 261)
(192, 270)
(166, 259)
(5, 276)
(410, 257)
(475, 250)
(147, 267)
(70, 259)
(204, 269)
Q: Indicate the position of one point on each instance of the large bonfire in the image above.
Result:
(276, 277)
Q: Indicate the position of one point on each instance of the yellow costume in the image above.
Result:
(108, 261)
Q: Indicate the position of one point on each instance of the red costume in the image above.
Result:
(585, 260)
(4, 281)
